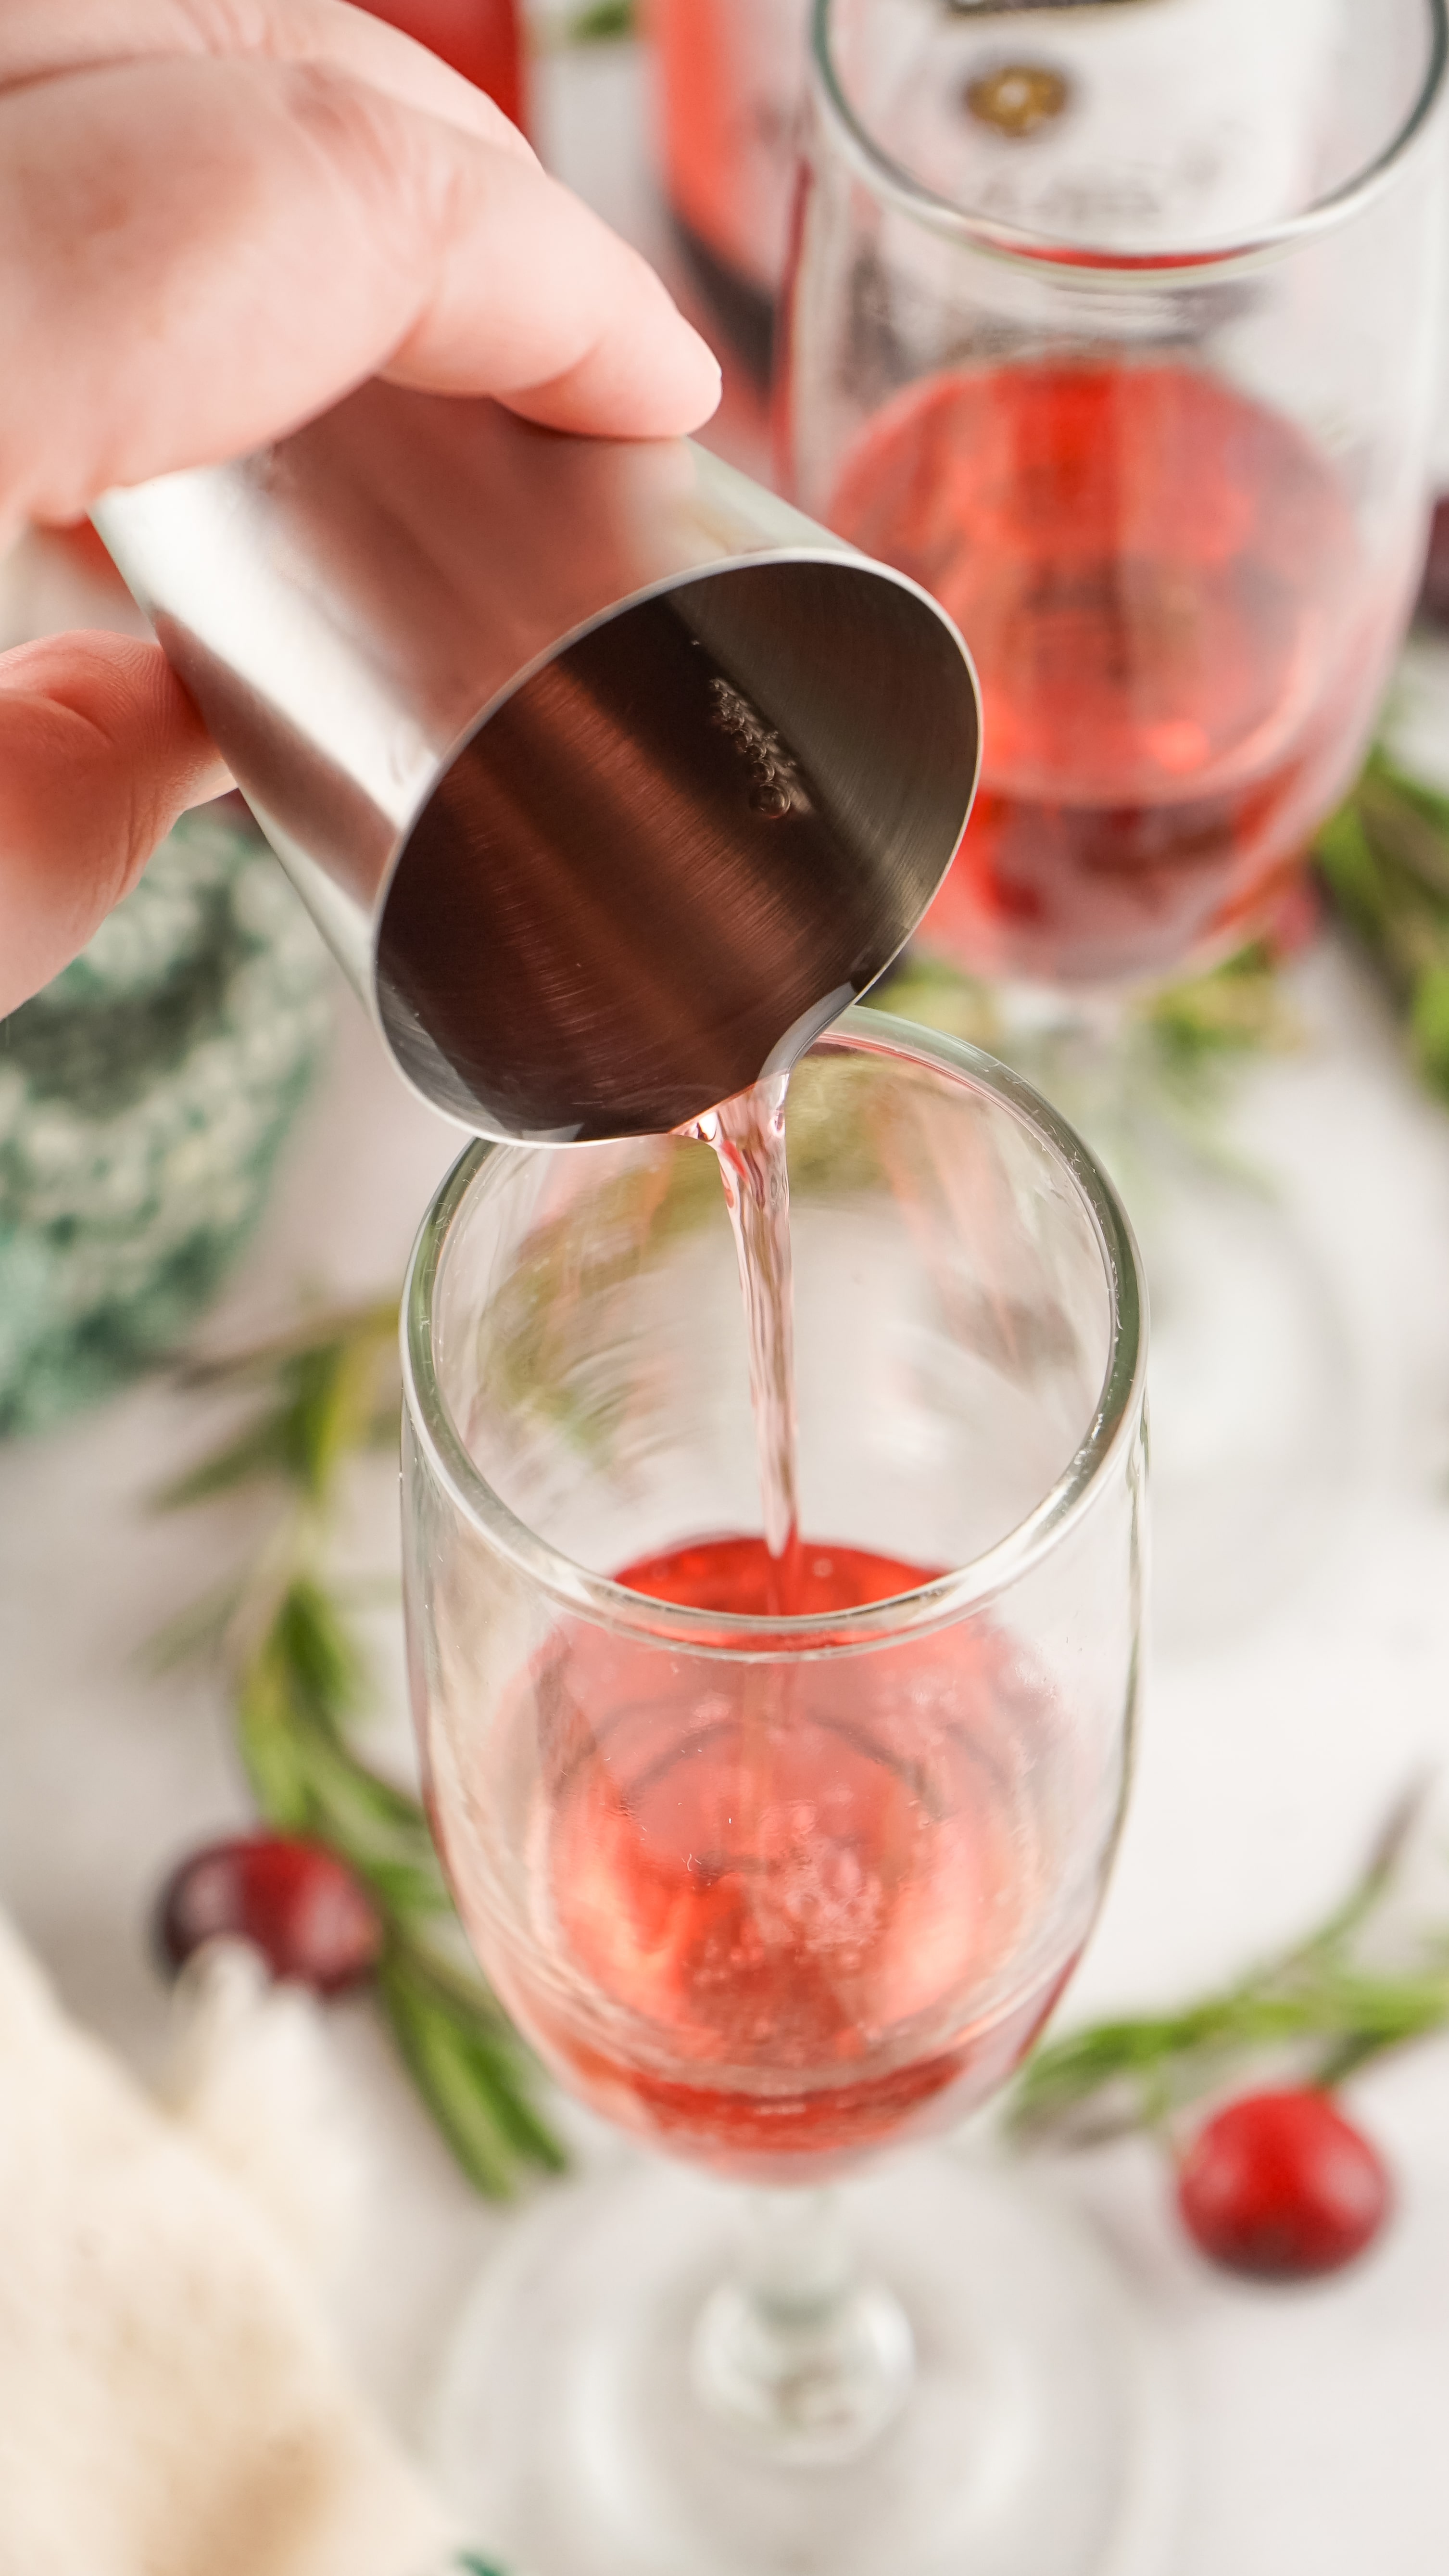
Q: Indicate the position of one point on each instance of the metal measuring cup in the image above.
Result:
(609, 777)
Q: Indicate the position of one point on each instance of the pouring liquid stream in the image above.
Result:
(748, 1138)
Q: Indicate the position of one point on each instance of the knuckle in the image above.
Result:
(357, 124)
(233, 26)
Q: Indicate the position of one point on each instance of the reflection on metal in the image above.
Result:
(605, 773)
(1018, 8)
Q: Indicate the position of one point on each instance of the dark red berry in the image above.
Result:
(1434, 596)
(1281, 2186)
(312, 1921)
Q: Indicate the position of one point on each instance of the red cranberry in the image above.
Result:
(1434, 596)
(1281, 2186)
(295, 1902)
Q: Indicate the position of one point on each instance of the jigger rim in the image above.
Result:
(1095, 264)
(734, 1636)
(839, 555)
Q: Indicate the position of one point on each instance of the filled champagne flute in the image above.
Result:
(782, 1894)
(1116, 327)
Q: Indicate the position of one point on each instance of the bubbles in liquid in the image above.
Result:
(778, 788)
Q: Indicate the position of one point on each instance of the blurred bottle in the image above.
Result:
(482, 39)
(731, 72)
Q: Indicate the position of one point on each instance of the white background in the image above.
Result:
(1316, 2420)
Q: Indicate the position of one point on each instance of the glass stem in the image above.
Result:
(797, 2350)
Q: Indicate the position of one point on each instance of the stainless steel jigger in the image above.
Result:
(609, 778)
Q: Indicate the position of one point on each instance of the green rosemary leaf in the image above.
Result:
(936, 995)
(348, 1806)
(454, 1983)
(1429, 1026)
(330, 1392)
(326, 1671)
(194, 1632)
(375, 1323)
(1234, 1010)
(395, 1817)
(1376, 1880)
(1384, 858)
(1408, 822)
(408, 1889)
(602, 24)
(470, 2082)
(1182, 1039)
(502, 2072)
(1346, 860)
(294, 1693)
(300, 1679)
(429, 2046)
(1315, 2004)
(529, 2136)
(259, 1454)
(271, 1749)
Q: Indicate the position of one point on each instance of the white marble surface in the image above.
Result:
(1313, 2417)
(1313, 2420)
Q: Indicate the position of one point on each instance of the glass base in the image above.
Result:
(1253, 1423)
(582, 2429)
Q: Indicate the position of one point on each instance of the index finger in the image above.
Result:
(196, 255)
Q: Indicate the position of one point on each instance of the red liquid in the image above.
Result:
(788, 1911)
(1161, 585)
(480, 38)
(730, 75)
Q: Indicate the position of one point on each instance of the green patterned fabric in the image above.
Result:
(143, 1096)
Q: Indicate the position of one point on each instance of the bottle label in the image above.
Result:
(1129, 129)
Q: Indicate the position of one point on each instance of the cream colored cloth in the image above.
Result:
(169, 2401)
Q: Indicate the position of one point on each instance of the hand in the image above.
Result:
(215, 217)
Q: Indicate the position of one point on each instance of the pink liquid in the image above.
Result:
(748, 1137)
(788, 1911)
(1161, 585)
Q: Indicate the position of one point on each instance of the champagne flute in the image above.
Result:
(1116, 326)
(774, 1895)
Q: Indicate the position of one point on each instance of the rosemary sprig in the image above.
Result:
(1147, 1081)
(1384, 857)
(1322, 2007)
(299, 1679)
(1206, 1023)
(604, 23)
(1181, 1037)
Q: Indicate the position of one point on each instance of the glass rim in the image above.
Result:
(1093, 263)
(738, 1635)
